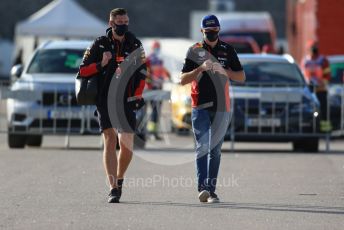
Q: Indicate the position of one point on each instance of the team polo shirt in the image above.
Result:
(211, 90)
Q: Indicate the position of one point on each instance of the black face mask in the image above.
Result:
(212, 35)
(121, 29)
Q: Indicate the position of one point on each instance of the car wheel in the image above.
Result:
(306, 145)
(140, 141)
(16, 141)
(311, 145)
(182, 132)
(173, 129)
(34, 140)
(297, 146)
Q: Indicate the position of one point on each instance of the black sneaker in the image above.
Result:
(119, 186)
(114, 196)
(213, 198)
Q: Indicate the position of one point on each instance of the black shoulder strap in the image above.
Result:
(108, 46)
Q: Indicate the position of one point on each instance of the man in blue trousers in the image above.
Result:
(209, 66)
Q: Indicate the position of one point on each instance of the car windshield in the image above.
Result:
(262, 38)
(242, 47)
(337, 73)
(264, 73)
(56, 61)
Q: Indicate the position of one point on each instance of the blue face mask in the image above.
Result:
(121, 29)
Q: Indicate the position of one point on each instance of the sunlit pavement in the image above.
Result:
(261, 186)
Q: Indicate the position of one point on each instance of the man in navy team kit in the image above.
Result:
(106, 58)
(209, 65)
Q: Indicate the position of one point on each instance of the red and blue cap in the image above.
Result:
(210, 21)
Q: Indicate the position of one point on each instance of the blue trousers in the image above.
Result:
(209, 129)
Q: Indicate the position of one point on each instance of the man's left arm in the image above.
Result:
(238, 76)
(235, 72)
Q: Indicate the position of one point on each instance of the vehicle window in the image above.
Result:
(56, 61)
(272, 74)
(337, 73)
(262, 38)
(242, 47)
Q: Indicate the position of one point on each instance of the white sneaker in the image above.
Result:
(203, 196)
(213, 198)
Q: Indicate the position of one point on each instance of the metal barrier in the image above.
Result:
(42, 108)
(272, 111)
(275, 112)
(284, 112)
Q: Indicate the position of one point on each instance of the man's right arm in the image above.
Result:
(188, 77)
(191, 71)
(92, 62)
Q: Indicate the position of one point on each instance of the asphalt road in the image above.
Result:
(262, 186)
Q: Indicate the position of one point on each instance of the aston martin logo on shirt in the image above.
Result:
(201, 53)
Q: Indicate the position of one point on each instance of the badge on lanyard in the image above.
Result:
(118, 71)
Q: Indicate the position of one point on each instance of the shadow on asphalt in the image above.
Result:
(161, 150)
(250, 206)
(225, 151)
(278, 151)
(73, 148)
(157, 150)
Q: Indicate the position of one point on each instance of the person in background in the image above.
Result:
(281, 50)
(267, 49)
(157, 75)
(316, 69)
(209, 66)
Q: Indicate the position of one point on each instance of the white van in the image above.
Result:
(258, 25)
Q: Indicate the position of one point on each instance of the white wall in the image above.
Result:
(6, 51)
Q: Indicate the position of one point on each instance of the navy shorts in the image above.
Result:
(126, 124)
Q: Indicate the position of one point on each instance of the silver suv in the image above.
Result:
(42, 98)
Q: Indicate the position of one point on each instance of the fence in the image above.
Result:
(42, 108)
(261, 112)
(286, 112)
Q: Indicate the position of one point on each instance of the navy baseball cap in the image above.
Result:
(210, 21)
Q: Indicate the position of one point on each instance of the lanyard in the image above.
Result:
(118, 57)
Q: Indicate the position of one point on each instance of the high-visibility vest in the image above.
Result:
(157, 72)
(313, 69)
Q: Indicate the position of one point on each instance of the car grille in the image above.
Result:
(265, 111)
(290, 122)
(255, 109)
(61, 99)
(61, 123)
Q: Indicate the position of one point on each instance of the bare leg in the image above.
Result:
(109, 156)
(126, 143)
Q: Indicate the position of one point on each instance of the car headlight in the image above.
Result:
(182, 111)
(187, 100)
(174, 97)
(335, 100)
